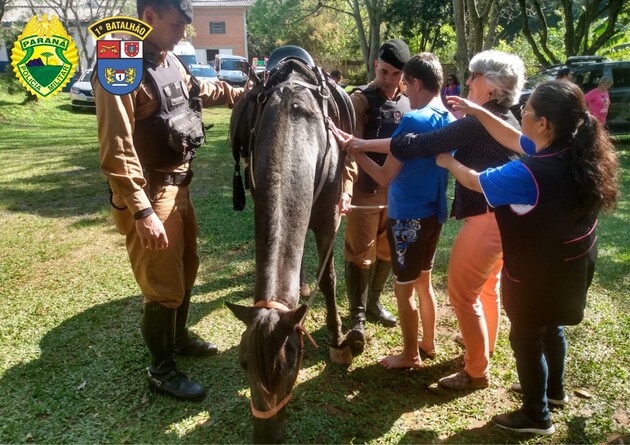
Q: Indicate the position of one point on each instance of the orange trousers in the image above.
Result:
(473, 287)
(164, 275)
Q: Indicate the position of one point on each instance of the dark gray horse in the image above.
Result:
(295, 179)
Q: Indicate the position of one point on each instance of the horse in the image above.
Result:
(283, 127)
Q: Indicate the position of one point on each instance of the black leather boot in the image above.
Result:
(186, 344)
(158, 331)
(379, 273)
(356, 287)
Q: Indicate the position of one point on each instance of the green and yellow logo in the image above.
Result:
(44, 56)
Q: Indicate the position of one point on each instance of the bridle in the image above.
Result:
(268, 414)
(321, 92)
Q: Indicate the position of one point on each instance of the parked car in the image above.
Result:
(81, 93)
(230, 69)
(203, 72)
(586, 74)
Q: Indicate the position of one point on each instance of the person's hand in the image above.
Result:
(344, 204)
(152, 233)
(342, 137)
(459, 104)
(444, 160)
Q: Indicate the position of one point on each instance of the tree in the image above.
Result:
(3, 7)
(47, 55)
(78, 14)
(419, 21)
(368, 18)
(327, 36)
(579, 18)
(475, 28)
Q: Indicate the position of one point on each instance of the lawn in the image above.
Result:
(72, 358)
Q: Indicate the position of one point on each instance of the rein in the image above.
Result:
(268, 414)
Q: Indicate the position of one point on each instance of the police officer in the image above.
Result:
(148, 140)
(379, 108)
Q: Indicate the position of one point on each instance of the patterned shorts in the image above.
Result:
(413, 243)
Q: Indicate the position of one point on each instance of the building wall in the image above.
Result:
(232, 42)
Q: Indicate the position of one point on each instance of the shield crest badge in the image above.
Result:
(119, 65)
(119, 61)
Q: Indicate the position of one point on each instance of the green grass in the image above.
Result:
(72, 358)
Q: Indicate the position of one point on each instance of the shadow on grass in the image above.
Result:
(87, 386)
(77, 187)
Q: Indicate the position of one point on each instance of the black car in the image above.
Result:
(586, 74)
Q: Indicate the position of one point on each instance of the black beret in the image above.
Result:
(395, 52)
(185, 8)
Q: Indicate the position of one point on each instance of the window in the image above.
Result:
(211, 54)
(217, 27)
(588, 78)
(621, 77)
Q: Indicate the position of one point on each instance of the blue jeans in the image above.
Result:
(540, 353)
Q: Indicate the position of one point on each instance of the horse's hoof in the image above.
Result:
(340, 356)
(305, 291)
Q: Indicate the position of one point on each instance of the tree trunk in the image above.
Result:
(461, 56)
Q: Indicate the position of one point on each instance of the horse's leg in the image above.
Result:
(324, 238)
(305, 290)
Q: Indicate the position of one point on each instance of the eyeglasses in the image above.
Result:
(475, 74)
(523, 111)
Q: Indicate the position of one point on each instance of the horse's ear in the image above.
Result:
(244, 313)
(294, 317)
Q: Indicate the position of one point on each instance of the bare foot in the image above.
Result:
(429, 351)
(400, 361)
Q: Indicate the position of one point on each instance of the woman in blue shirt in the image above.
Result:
(546, 205)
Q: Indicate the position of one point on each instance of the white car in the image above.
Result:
(203, 72)
(81, 93)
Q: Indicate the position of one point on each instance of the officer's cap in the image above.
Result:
(183, 6)
(395, 52)
(185, 9)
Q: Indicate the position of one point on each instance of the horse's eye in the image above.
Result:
(243, 364)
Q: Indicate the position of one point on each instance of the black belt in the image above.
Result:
(157, 179)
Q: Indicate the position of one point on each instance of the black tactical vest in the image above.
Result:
(171, 136)
(384, 117)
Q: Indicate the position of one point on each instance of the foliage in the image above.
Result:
(616, 47)
(446, 51)
(420, 22)
(72, 361)
(358, 77)
(587, 26)
(328, 36)
(76, 14)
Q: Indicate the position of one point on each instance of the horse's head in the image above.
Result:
(270, 353)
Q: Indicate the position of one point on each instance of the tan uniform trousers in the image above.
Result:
(164, 275)
(366, 230)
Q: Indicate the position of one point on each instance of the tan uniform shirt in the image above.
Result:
(116, 117)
